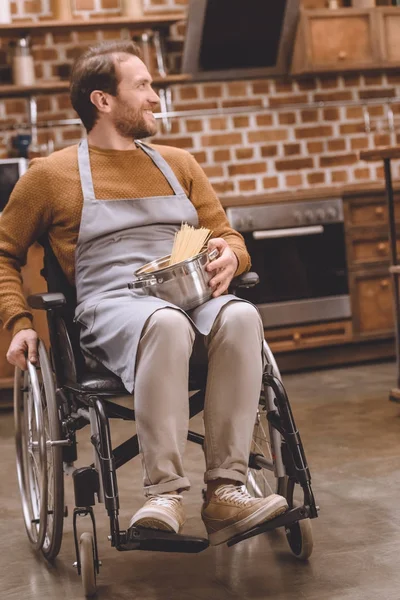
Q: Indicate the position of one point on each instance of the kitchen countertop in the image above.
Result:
(345, 191)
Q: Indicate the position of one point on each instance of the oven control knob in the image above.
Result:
(250, 222)
(297, 216)
(309, 216)
(320, 214)
(332, 212)
(239, 224)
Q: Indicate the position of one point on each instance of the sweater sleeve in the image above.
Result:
(212, 215)
(25, 217)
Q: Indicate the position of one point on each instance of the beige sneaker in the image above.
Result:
(231, 510)
(161, 511)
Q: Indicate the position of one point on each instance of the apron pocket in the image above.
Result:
(86, 317)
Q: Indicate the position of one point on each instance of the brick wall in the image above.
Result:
(278, 144)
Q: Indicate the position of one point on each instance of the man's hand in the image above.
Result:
(222, 268)
(24, 344)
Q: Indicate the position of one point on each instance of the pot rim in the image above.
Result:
(143, 275)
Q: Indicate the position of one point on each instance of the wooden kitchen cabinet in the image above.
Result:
(389, 35)
(336, 40)
(285, 339)
(372, 302)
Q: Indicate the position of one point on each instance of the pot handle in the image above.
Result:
(142, 283)
(213, 254)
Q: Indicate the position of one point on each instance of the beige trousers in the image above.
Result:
(234, 349)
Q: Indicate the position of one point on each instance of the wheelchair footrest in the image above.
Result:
(154, 540)
(285, 520)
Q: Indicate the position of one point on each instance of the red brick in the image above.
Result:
(294, 180)
(379, 93)
(338, 160)
(15, 107)
(306, 84)
(359, 143)
(260, 87)
(331, 114)
(376, 111)
(222, 139)
(247, 185)
(354, 112)
(270, 182)
(264, 120)
(374, 79)
(88, 36)
(195, 106)
(352, 128)
(294, 164)
(382, 139)
(237, 88)
(291, 149)
(379, 173)
(32, 6)
(243, 153)
(218, 123)
(287, 118)
(339, 176)
(316, 177)
(268, 135)
(362, 173)
(212, 91)
(84, 5)
(313, 132)
(284, 86)
(247, 168)
(193, 125)
(315, 147)
(222, 155)
(240, 122)
(329, 81)
(333, 97)
(177, 142)
(269, 151)
(44, 54)
(234, 103)
(309, 116)
(214, 171)
(43, 103)
(189, 92)
(72, 134)
(336, 145)
(293, 99)
(108, 4)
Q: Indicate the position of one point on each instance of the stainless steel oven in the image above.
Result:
(298, 250)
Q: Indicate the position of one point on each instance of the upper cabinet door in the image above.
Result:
(335, 40)
(389, 34)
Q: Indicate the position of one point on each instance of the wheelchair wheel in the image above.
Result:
(39, 464)
(300, 538)
(88, 569)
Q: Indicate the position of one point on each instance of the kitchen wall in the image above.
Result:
(279, 145)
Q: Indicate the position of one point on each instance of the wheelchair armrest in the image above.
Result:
(46, 301)
(246, 280)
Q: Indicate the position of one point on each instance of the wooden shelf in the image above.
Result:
(58, 87)
(150, 21)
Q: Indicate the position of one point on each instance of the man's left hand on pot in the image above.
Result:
(223, 268)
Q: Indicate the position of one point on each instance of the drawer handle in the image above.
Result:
(379, 211)
(297, 336)
(342, 55)
(384, 283)
(382, 248)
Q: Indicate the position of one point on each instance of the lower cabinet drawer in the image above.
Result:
(308, 336)
(369, 247)
(372, 302)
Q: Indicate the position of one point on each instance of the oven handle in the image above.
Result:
(289, 232)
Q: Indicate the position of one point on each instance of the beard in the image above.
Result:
(130, 123)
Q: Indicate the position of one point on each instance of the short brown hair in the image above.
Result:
(96, 69)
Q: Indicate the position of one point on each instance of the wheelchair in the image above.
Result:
(61, 395)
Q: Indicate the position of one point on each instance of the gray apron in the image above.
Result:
(116, 238)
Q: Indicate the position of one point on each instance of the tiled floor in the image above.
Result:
(351, 433)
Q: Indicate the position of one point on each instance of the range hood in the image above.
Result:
(236, 39)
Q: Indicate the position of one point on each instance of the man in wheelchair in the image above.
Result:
(108, 206)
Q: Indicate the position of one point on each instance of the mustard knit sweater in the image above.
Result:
(49, 198)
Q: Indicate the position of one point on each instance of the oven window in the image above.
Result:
(297, 268)
(9, 174)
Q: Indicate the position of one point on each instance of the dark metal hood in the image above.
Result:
(236, 39)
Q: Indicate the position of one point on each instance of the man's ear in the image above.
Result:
(100, 100)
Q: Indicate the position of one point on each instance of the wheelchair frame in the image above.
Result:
(81, 397)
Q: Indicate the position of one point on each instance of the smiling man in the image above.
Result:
(108, 206)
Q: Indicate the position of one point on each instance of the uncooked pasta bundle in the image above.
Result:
(188, 242)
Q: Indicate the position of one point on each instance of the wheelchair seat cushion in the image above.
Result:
(101, 382)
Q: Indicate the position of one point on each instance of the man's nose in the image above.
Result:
(154, 98)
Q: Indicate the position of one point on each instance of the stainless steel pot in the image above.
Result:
(184, 284)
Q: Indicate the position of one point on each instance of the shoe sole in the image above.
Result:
(266, 513)
(152, 523)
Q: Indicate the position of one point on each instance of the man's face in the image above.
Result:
(132, 111)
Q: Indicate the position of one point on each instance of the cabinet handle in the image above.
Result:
(342, 55)
(382, 248)
(379, 211)
(384, 283)
(296, 336)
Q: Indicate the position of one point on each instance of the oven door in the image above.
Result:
(303, 274)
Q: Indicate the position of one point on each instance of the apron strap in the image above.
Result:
(164, 167)
(85, 171)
